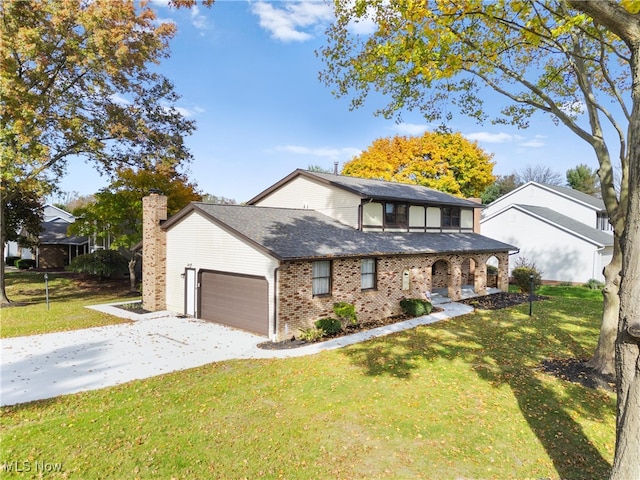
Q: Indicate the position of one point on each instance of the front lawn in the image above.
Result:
(68, 296)
(463, 398)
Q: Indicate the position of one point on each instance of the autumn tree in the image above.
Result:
(75, 81)
(442, 161)
(116, 212)
(576, 61)
(583, 179)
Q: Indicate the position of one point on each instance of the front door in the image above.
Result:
(190, 292)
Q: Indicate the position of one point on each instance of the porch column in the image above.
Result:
(480, 278)
(454, 289)
(503, 271)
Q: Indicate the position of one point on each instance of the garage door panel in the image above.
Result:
(235, 300)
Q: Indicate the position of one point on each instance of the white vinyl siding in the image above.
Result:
(198, 243)
(466, 219)
(305, 193)
(416, 216)
(372, 214)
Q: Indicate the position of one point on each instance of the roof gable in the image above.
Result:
(373, 189)
(574, 195)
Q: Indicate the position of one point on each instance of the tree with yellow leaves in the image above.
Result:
(443, 161)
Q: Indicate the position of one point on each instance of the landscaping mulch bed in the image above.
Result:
(361, 327)
(577, 371)
(499, 300)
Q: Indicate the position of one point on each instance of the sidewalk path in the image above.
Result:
(45, 366)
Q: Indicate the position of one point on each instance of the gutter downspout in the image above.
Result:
(275, 303)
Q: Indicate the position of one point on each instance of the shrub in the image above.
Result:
(521, 277)
(102, 263)
(346, 313)
(415, 307)
(492, 270)
(311, 334)
(11, 261)
(331, 326)
(594, 284)
(25, 263)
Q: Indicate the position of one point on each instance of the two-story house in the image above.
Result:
(566, 233)
(280, 262)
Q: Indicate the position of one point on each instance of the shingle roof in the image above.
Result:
(297, 234)
(55, 233)
(378, 189)
(593, 234)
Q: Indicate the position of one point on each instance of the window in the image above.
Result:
(368, 273)
(451, 217)
(321, 278)
(603, 222)
(395, 214)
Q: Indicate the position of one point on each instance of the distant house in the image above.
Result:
(279, 263)
(565, 232)
(55, 249)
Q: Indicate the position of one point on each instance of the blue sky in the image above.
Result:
(247, 73)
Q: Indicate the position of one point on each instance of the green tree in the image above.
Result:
(503, 185)
(75, 82)
(442, 161)
(116, 212)
(583, 179)
(574, 60)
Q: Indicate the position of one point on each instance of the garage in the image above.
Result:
(240, 301)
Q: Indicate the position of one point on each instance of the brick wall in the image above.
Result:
(297, 308)
(154, 252)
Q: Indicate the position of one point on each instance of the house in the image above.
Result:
(276, 265)
(566, 233)
(55, 249)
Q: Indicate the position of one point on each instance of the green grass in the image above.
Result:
(68, 296)
(463, 398)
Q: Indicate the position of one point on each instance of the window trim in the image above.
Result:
(373, 274)
(328, 278)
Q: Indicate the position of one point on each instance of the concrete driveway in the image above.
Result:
(45, 366)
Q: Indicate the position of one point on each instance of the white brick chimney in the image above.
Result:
(154, 252)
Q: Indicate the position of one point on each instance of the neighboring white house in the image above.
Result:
(565, 232)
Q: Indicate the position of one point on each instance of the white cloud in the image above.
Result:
(489, 137)
(291, 22)
(412, 129)
(199, 21)
(335, 154)
(533, 143)
(120, 100)
(574, 108)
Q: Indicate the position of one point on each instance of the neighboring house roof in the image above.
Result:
(289, 234)
(55, 233)
(575, 195)
(52, 213)
(590, 234)
(377, 189)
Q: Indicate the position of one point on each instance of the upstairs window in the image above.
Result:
(603, 222)
(368, 273)
(321, 278)
(395, 214)
(451, 217)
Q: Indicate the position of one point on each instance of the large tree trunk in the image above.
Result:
(626, 464)
(132, 274)
(603, 360)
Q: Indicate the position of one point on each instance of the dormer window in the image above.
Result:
(395, 214)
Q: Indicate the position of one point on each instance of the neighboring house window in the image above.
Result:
(451, 217)
(321, 274)
(368, 273)
(603, 222)
(395, 214)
